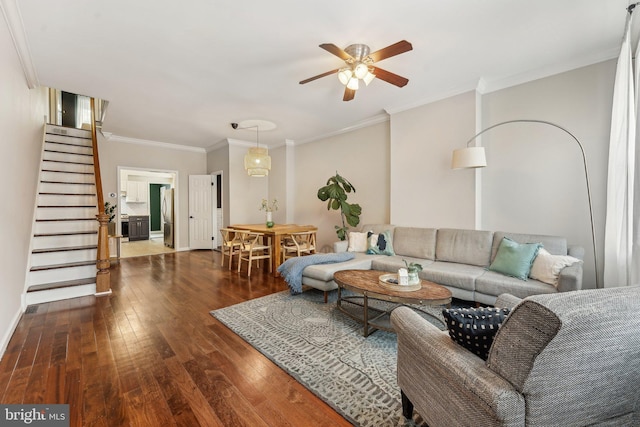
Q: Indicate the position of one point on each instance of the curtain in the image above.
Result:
(83, 110)
(622, 225)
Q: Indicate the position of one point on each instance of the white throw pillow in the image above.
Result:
(357, 242)
(546, 267)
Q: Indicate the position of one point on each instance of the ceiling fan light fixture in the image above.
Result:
(368, 78)
(353, 83)
(361, 70)
(344, 75)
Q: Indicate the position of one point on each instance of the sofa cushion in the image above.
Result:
(546, 267)
(492, 283)
(553, 244)
(474, 328)
(358, 242)
(515, 259)
(393, 263)
(380, 244)
(461, 276)
(415, 242)
(464, 246)
(325, 271)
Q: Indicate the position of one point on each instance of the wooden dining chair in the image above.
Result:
(230, 244)
(298, 244)
(253, 248)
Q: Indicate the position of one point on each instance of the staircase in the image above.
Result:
(65, 239)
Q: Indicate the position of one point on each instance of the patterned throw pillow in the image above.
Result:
(474, 328)
(380, 244)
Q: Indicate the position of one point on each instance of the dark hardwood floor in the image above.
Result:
(150, 354)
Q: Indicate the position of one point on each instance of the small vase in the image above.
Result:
(269, 219)
(414, 279)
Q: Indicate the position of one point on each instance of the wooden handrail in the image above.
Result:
(103, 276)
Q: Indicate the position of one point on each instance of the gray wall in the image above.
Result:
(22, 114)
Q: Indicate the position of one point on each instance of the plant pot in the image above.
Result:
(414, 279)
(269, 219)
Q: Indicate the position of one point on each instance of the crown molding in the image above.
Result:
(12, 15)
(380, 118)
(149, 143)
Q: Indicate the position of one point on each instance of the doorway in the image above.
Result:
(139, 196)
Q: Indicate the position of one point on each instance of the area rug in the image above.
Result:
(325, 351)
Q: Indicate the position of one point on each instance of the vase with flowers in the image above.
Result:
(269, 208)
(413, 268)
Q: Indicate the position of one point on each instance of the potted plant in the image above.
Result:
(110, 210)
(269, 208)
(413, 268)
(335, 194)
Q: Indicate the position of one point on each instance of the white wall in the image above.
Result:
(114, 153)
(245, 192)
(425, 192)
(218, 160)
(22, 114)
(277, 181)
(360, 156)
(535, 181)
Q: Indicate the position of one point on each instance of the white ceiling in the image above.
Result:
(181, 72)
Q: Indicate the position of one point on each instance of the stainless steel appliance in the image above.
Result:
(124, 224)
(166, 200)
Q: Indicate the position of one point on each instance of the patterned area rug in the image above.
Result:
(325, 351)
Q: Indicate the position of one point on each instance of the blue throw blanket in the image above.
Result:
(291, 269)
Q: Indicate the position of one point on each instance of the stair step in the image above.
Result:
(68, 152)
(67, 194)
(63, 284)
(64, 249)
(65, 206)
(65, 219)
(67, 162)
(68, 132)
(62, 171)
(72, 233)
(66, 240)
(66, 182)
(67, 143)
(67, 265)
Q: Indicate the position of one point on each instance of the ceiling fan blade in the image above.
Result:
(390, 77)
(389, 51)
(310, 79)
(332, 48)
(349, 94)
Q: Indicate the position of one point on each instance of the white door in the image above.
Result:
(201, 189)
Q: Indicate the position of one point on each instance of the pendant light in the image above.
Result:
(257, 161)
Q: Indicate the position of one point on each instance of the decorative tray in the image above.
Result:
(390, 281)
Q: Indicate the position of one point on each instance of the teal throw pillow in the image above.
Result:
(380, 244)
(515, 259)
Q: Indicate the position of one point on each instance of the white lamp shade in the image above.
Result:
(368, 78)
(353, 83)
(344, 75)
(257, 162)
(361, 70)
(470, 157)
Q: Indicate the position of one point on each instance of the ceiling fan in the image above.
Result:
(360, 66)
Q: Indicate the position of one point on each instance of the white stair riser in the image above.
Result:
(64, 241)
(54, 131)
(46, 187)
(65, 157)
(85, 149)
(66, 212)
(65, 227)
(75, 178)
(59, 294)
(70, 167)
(66, 200)
(61, 274)
(52, 258)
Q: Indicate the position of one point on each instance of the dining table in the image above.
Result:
(275, 234)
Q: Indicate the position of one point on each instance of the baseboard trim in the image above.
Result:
(9, 332)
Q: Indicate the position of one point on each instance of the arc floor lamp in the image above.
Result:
(474, 157)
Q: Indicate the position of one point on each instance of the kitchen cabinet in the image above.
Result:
(138, 227)
(137, 192)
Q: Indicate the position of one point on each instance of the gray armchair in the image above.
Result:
(567, 359)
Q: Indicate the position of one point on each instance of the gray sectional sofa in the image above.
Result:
(455, 258)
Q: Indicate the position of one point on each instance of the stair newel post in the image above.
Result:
(103, 277)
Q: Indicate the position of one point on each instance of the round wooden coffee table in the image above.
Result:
(366, 286)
